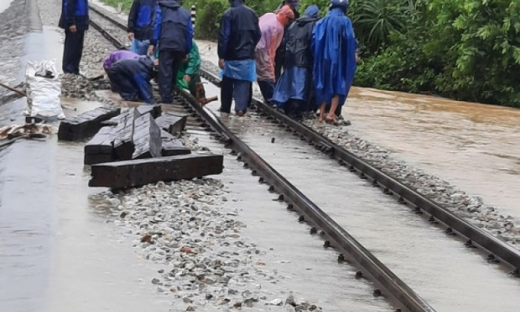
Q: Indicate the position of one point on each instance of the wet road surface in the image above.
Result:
(439, 268)
(472, 146)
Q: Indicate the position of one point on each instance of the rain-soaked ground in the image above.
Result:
(439, 268)
(58, 254)
(473, 146)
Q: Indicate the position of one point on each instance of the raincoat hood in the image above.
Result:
(284, 14)
(312, 11)
(340, 4)
(172, 4)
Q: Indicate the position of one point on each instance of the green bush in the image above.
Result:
(209, 13)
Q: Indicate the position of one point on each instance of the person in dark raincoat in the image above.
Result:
(334, 48)
(74, 19)
(141, 25)
(293, 90)
(132, 78)
(173, 34)
(115, 57)
(238, 36)
(280, 52)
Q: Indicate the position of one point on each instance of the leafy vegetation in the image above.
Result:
(462, 49)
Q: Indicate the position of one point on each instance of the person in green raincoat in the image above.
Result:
(188, 75)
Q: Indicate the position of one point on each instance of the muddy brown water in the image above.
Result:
(473, 146)
(439, 268)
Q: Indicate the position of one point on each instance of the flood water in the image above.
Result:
(473, 146)
(439, 268)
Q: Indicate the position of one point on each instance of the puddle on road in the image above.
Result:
(57, 253)
(472, 146)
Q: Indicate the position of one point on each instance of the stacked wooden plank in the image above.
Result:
(85, 125)
(133, 173)
(137, 147)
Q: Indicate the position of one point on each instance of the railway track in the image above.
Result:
(385, 282)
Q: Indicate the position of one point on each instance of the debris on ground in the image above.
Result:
(43, 91)
(130, 149)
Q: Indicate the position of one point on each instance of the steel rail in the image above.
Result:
(392, 186)
(395, 288)
(338, 236)
(108, 18)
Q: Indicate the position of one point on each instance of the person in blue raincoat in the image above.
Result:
(141, 25)
(132, 78)
(293, 91)
(334, 47)
(74, 20)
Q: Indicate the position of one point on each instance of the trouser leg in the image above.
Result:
(242, 95)
(267, 89)
(192, 86)
(166, 76)
(338, 110)
(226, 94)
(72, 51)
(176, 64)
(293, 108)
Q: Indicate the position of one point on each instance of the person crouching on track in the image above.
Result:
(74, 19)
(334, 50)
(189, 75)
(272, 28)
(293, 90)
(174, 34)
(113, 58)
(132, 78)
(141, 25)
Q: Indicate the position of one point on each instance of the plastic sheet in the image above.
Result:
(43, 90)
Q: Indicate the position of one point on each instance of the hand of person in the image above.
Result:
(357, 58)
(73, 28)
(221, 63)
(130, 36)
(150, 50)
(187, 78)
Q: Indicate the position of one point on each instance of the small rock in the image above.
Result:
(250, 301)
(156, 281)
(276, 302)
(190, 308)
(223, 301)
(187, 300)
(147, 238)
(290, 301)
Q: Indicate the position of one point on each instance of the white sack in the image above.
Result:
(43, 94)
